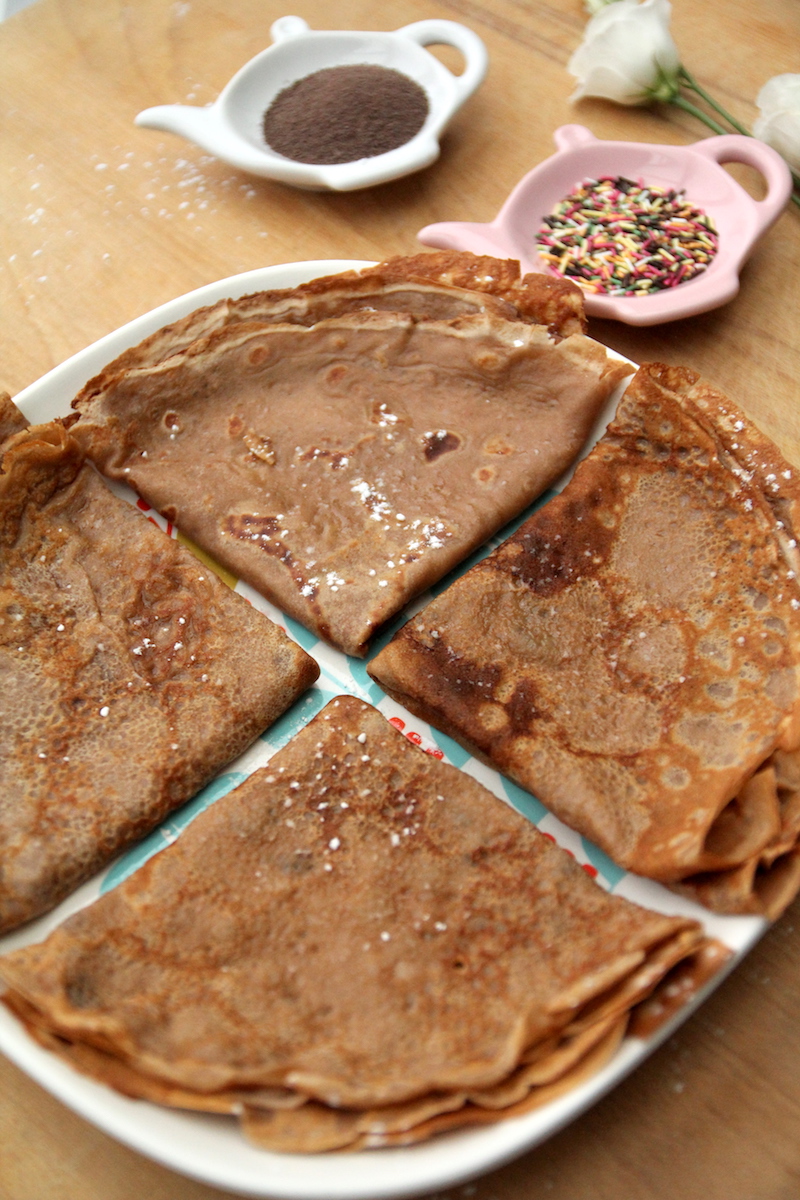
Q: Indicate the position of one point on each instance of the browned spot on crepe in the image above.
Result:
(471, 962)
(343, 445)
(130, 675)
(631, 654)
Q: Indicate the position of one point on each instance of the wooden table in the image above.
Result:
(102, 221)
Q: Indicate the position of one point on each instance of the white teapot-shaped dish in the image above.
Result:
(231, 127)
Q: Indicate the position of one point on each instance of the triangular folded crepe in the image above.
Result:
(343, 466)
(129, 675)
(632, 653)
(359, 945)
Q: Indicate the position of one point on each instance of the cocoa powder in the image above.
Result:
(341, 114)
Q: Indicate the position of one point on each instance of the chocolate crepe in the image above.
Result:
(358, 946)
(631, 654)
(343, 467)
(130, 675)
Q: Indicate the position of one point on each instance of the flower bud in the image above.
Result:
(779, 123)
(627, 54)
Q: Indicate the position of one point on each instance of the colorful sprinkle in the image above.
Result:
(620, 238)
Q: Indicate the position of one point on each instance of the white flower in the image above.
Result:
(779, 123)
(628, 54)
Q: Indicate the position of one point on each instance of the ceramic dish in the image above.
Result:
(230, 128)
(740, 220)
(211, 1148)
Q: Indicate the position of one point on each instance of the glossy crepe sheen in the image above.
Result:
(130, 675)
(343, 466)
(358, 925)
(631, 654)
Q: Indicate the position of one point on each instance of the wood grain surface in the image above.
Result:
(101, 221)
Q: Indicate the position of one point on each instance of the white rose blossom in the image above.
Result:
(779, 123)
(627, 54)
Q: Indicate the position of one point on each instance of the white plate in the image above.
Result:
(211, 1148)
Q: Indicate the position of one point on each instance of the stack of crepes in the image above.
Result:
(130, 674)
(359, 947)
(632, 654)
(342, 445)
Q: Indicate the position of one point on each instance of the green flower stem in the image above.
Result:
(694, 86)
(687, 106)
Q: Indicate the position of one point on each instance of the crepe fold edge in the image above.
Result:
(536, 298)
(765, 881)
(285, 1120)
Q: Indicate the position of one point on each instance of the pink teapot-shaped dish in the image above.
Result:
(739, 219)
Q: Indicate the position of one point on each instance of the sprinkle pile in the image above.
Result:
(618, 237)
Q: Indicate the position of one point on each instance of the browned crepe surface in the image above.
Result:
(631, 653)
(342, 468)
(358, 926)
(129, 675)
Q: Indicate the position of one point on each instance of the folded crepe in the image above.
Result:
(342, 466)
(631, 654)
(129, 675)
(359, 946)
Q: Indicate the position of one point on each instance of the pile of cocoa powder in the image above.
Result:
(341, 114)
